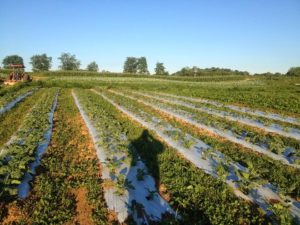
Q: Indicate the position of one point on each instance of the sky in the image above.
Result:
(254, 35)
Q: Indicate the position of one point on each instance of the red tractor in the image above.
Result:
(17, 75)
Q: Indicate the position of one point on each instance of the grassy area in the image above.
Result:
(278, 94)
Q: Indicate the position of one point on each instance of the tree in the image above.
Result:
(40, 62)
(294, 71)
(93, 66)
(142, 66)
(213, 71)
(69, 62)
(136, 65)
(160, 69)
(12, 59)
(130, 65)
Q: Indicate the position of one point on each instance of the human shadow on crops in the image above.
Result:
(150, 149)
(142, 177)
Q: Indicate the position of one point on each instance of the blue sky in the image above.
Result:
(253, 35)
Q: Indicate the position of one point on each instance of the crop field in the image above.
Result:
(88, 149)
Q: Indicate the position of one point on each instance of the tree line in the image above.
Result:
(43, 62)
(133, 65)
(196, 71)
(70, 62)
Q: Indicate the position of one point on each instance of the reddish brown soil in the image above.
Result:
(83, 209)
(13, 215)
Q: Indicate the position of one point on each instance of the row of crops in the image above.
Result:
(245, 180)
(155, 158)
(20, 155)
(279, 145)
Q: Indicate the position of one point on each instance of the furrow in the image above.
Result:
(261, 194)
(24, 187)
(215, 131)
(126, 199)
(12, 104)
(222, 114)
(247, 110)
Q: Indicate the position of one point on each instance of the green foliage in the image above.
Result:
(136, 65)
(206, 200)
(196, 195)
(11, 89)
(53, 203)
(275, 142)
(11, 95)
(222, 171)
(283, 176)
(188, 143)
(142, 66)
(282, 214)
(69, 62)
(130, 65)
(93, 67)
(40, 62)
(294, 71)
(16, 157)
(160, 69)
(65, 168)
(12, 59)
(8, 121)
(274, 94)
(195, 71)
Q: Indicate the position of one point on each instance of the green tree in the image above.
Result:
(40, 62)
(142, 66)
(136, 65)
(294, 71)
(69, 62)
(213, 71)
(130, 65)
(12, 59)
(93, 66)
(160, 69)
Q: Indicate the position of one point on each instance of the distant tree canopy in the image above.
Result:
(142, 66)
(136, 65)
(196, 71)
(160, 69)
(294, 71)
(40, 62)
(130, 65)
(93, 67)
(268, 74)
(69, 62)
(12, 59)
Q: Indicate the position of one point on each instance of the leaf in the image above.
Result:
(15, 182)
(190, 187)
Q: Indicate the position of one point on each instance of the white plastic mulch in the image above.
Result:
(12, 104)
(187, 117)
(250, 111)
(273, 128)
(24, 187)
(134, 200)
(208, 160)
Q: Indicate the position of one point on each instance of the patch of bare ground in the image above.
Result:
(83, 208)
(14, 214)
